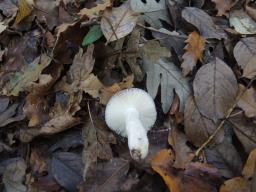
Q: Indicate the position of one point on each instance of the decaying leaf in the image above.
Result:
(171, 40)
(203, 22)
(250, 9)
(9, 112)
(194, 52)
(131, 58)
(242, 22)
(97, 143)
(154, 11)
(245, 183)
(215, 88)
(224, 5)
(164, 72)
(94, 12)
(118, 22)
(25, 9)
(14, 175)
(108, 176)
(8, 8)
(248, 101)
(61, 117)
(245, 131)
(226, 158)
(21, 81)
(183, 154)
(198, 128)
(67, 169)
(197, 177)
(245, 54)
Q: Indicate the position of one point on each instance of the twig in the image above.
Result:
(198, 151)
(156, 30)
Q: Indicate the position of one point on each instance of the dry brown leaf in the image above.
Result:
(250, 8)
(36, 109)
(245, 55)
(24, 10)
(118, 22)
(197, 177)
(95, 11)
(245, 183)
(245, 131)
(194, 52)
(224, 5)
(22, 80)
(237, 184)
(248, 101)
(250, 165)
(215, 88)
(183, 154)
(197, 127)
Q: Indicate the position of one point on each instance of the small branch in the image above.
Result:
(156, 30)
(198, 151)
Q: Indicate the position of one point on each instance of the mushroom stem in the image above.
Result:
(137, 135)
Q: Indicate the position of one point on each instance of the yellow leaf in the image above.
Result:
(25, 8)
(93, 12)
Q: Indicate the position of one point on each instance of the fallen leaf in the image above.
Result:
(8, 8)
(198, 128)
(95, 11)
(242, 22)
(237, 184)
(10, 113)
(245, 183)
(20, 81)
(194, 52)
(183, 154)
(37, 161)
(14, 175)
(164, 72)
(61, 117)
(118, 22)
(36, 109)
(153, 11)
(107, 177)
(203, 22)
(250, 9)
(215, 88)
(197, 177)
(67, 169)
(226, 158)
(171, 40)
(245, 55)
(247, 102)
(24, 9)
(93, 35)
(245, 131)
(224, 5)
(97, 142)
(133, 54)
(3, 27)
(249, 167)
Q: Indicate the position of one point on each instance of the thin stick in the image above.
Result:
(156, 30)
(198, 151)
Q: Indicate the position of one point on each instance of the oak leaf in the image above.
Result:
(194, 52)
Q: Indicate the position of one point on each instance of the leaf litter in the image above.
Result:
(61, 61)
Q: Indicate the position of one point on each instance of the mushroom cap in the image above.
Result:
(118, 105)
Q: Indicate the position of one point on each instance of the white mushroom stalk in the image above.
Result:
(131, 113)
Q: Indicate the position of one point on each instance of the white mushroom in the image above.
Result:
(131, 113)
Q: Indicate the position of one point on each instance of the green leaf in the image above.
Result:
(93, 35)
